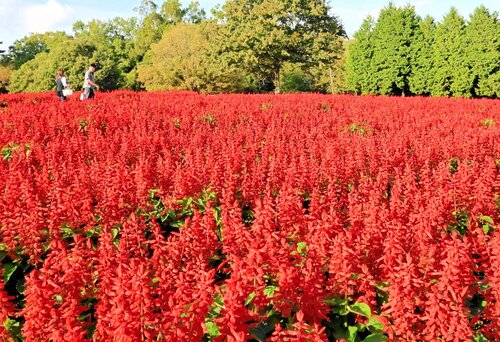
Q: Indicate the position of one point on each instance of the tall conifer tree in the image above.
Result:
(451, 70)
(359, 60)
(420, 78)
(393, 36)
(483, 52)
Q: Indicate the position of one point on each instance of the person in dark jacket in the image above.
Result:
(61, 84)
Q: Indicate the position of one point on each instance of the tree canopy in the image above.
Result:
(359, 60)
(401, 53)
(482, 36)
(266, 45)
(422, 63)
(263, 35)
(108, 44)
(181, 60)
(392, 37)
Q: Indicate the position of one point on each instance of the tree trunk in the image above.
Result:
(331, 79)
(277, 85)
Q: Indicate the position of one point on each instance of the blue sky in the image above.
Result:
(21, 17)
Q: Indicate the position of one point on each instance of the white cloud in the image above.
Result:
(9, 19)
(45, 17)
(6, 9)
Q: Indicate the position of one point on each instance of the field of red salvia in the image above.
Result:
(186, 217)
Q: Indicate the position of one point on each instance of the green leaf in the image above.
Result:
(486, 219)
(200, 203)
(8, 271)
(352, 333)
(250, 297)
(67, 231)
(489, 122)
(487, 223)
(377, 337)
(270, 290)
(339, 330)
(212, 329)
(258, 333)
(343, 311)
(219, 300)
(374, 326)
(84, 317)
(177, 223)
(114, 233)
(217, 306)
(13, 328)
(58, 299)
(186, 203)
(480, 338)
(301, 247)
(360, 309)
(262, 330)
(20, 285)
(336, 301)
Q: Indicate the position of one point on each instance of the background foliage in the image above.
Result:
(403, 54)
(264, 46)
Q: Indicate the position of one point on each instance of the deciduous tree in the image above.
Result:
(5, 75)
(263, 35)
(181, 61)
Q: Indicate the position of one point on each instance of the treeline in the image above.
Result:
(245, 46)
(116, 46)
(267, 45)
(403, 54)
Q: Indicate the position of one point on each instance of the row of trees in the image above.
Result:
(402, 54)
(250, 45)
(116, 46)
(266, 45)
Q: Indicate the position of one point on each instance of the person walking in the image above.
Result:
(89, 83)
(61, 84)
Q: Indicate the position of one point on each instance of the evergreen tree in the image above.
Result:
(359, 60)
(451, 71)
(483, 52)
(392, 37)
(420, 78)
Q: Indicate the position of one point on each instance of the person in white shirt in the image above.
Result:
(89, 83)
